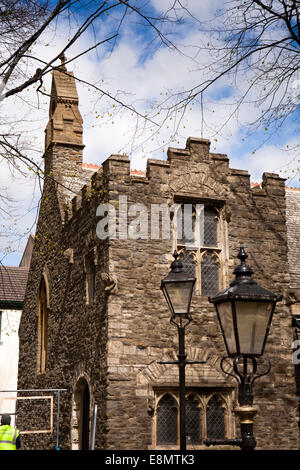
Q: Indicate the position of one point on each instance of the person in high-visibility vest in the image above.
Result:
(9, 437)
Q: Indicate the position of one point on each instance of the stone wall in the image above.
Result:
(139, 334)
(115, 341)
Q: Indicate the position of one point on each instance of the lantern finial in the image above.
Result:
(176, 266)
(242, 255)
(243, 272)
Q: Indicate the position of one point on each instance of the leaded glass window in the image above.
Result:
(167, 420)
(198, 245)
(188, 263)
(186, 224)
(193, 428)
(210, 226)
(215, 424)
(209, 275)
(205, 417)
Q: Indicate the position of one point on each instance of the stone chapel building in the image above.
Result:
(96, 323)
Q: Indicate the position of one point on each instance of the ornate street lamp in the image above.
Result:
(178, 290)
(245, 312)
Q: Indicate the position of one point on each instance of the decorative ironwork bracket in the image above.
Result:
(246, 412)
(245, 378)
(179, 362)
(219, 442)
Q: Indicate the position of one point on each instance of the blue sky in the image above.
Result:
(142, 74)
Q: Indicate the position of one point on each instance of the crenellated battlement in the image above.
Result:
(193, 170)
(91, 189)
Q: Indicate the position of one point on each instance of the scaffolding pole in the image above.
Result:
(94, 428)
(51, 390)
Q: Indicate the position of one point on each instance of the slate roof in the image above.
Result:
(13, 282)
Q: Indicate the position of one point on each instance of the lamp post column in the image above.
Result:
(178, 288)
(245, 312)
(181, 364)
(246, 411)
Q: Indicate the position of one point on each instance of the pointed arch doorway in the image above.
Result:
(81, 416)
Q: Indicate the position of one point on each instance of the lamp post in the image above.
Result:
(178, 288)
(245, 312)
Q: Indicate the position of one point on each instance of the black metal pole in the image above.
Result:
(248, 441)
(181, 365)
(182, 362)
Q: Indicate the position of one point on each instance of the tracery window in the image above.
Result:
(209, 274)
(215, 424)
(197, 241)
(207, 416)
(167, 420)
(193, 419)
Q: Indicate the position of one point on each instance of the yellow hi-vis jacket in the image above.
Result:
(8, 437)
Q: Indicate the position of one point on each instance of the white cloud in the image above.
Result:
(270, 158)
(201, 9)
(136, 79)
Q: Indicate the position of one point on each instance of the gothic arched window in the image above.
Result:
(188, 263)
(167, 420)
(80, 432)
(193, 421)
(215, 422)
(206, 416)
(209, 275)
(42, 327)
(197, 229)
